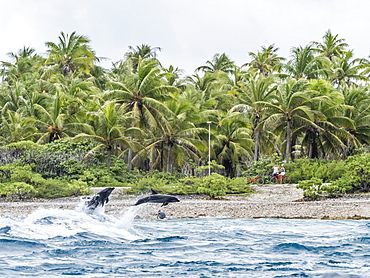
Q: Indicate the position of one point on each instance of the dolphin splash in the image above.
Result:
(99, 199)
(157, 198)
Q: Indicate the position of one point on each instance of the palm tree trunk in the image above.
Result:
(109, 158)
(256, 145)
(129, 157)
(288, 142)
(312, 151)
(296, 149)
(169, 168)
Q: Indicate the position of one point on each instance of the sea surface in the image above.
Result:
(68, 243)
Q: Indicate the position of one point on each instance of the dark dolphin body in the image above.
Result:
(158, 198)
(99, 199)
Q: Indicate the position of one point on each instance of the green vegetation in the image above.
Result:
(58, 169)
(67, 124)
(21, 182)
(213, 186)
(352, 177)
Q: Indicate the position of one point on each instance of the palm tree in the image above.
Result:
(219, 63)
(77, 92)
(143, 93)
(22, 66)
(304, 64)
(346, 70)
(108, 127)
(213, 90)
(357, 100)
(143, 52)
(12, 97)
(331, 46)
(258, 89)
(180, 143)
(202, 83)
(326, 139)
(71, 54)
(291, 110)
(237, 76)
(14, 127)
(172, 77)
(100, 77)
(20, 95)
(30, 97)
(232, 144)
(54, 119)
(267, 61)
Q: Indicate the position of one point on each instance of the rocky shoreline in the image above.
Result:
(268, 201)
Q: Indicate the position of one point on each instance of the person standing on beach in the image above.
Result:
(281, 173)
(275, 170)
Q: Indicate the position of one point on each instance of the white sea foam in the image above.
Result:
(127, 217)
(51, 223)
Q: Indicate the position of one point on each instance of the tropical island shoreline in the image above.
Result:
(267, 201)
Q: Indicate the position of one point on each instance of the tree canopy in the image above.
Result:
(313, 104)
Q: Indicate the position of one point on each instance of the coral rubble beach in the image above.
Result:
(268, 201)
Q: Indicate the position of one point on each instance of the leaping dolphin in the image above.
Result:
(99, 199)
(157, 198)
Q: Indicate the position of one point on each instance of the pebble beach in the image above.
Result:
(267, 201)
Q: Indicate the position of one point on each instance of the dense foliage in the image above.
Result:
(57, 169)
(138, 116)
(354, 178)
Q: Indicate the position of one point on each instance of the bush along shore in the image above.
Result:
(58, 171)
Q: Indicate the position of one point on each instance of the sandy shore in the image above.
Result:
(268, 201)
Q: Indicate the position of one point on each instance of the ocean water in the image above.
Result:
(61, 243)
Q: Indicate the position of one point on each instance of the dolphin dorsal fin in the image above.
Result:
(153, 191)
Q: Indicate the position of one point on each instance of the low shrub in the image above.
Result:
(312, 188)
(354, 177)
(213, 185)
(20, 181)
(305, 169)
(238, 186)
(17, 190)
